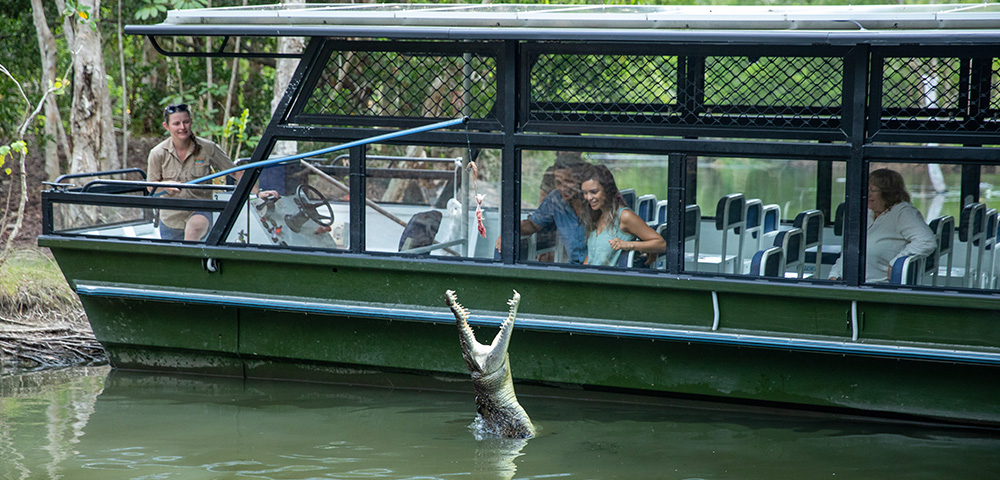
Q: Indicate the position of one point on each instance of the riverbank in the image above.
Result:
(42, 324)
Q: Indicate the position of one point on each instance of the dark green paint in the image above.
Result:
(256, 342)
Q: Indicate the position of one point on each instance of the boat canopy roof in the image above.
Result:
(870, 24)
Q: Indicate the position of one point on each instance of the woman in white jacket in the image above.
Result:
(895, 227)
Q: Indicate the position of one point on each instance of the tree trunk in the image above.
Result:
(126, 117)
(283, 74)
(92, 128)
(53, 120)
(67, 24)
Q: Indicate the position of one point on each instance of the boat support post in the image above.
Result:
(715, 310)
(854, 320)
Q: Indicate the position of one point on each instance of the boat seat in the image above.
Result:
(728, 217)
(769, 262)
(628, 194)
(645, 208)
(420, 230)
(972, 232)
(792, 244)
(661, 212)
(944, 229)
(838, 231)
(692, 233)
(811, 223)
(989, 246)
(753, 220)
(771, 222)
(906, 270)
(638, 260)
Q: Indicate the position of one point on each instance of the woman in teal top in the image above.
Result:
(611, 227)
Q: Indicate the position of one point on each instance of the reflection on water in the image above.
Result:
(98, 424)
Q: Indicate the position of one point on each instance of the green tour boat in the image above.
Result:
(424, 148)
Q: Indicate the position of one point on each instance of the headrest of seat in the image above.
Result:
(973, 214)
(754, 211)
(944, 227)
(729, 211)
(811, 222)
(692, 221)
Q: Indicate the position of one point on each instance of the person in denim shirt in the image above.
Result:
(561, 209)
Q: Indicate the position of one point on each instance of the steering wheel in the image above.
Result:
(309, 200)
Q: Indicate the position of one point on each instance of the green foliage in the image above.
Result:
(81, 13)
(150, 9)
(17, 146)
(234, 133)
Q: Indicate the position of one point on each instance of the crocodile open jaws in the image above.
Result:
(499, 412)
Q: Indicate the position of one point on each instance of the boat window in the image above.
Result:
(766, 217)
(118, 205)
(962, 225)
(555, 215)
(422, 200)
(105, 221)
(312, 210)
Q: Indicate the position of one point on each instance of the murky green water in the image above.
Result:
(99, 424)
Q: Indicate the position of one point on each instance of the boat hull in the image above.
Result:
(341, 318)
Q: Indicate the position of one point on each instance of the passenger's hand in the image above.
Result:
(618, 244)
(650, 259)
(266, 194)
(498, 244)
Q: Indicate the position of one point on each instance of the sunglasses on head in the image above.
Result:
(180, 107)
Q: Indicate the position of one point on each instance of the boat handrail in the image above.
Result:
(132, 183)
(61, 180)
(403, 159)
(343, 146)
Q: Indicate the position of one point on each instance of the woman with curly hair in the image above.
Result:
(611, 227)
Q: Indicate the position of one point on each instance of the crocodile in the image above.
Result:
(499, 412)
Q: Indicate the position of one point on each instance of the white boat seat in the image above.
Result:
(661, 212)
(645, 208)
(944, 229)
(769, 262)
(906, 270)
(628, 194)
(792, 244)
(811, 223)
(972, 232)
(728, 217)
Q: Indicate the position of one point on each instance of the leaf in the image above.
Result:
(8, 171)
(20, 146)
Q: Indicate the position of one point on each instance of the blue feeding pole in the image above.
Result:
(344, 146)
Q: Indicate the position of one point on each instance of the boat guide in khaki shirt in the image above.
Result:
(165, 166)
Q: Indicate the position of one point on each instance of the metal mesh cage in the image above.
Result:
(405, 84)
(781, 92)
(604, 88)
(932, 94)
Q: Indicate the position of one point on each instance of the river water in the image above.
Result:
(96, 423)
